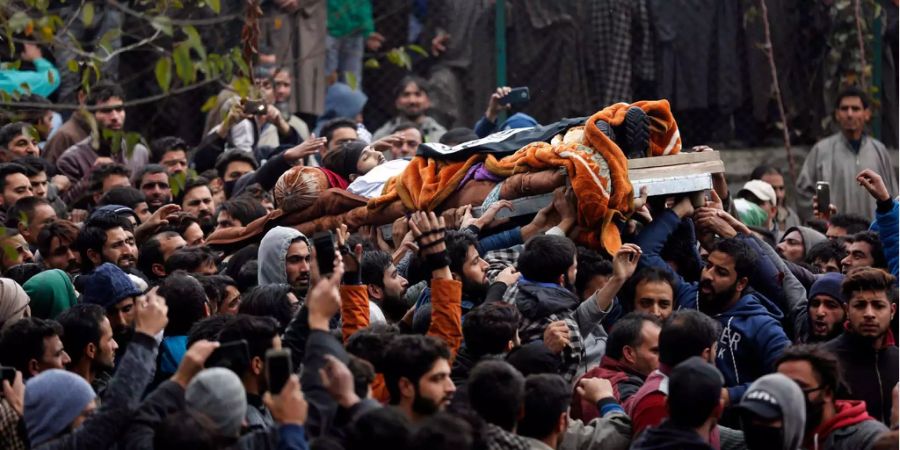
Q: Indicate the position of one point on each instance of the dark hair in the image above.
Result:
(243, 208)
(410, 357)
(31, 114)
(373, 265)
(186, 300)
(81, 326)
(341, 160)
(867, 279)
(870, 237)
(380, 428)
(850, 222)
(21, 273)
(180, 222)
(123, 195)
(826, 251)
(104, 91)
(239, 259)
(763, 170)
(684, 334)
(190, 259)
(628, 332)
(102, 172)
(23, 209)
(546, 257)
(332, 125)
(496, 392)
(191, 184)
(458, 243)
(9, 131)
(214, 286)
(457, 136)
(257, 331)
(23, 341)
(743, 255)
(590, 265)
(851, 91)
(207, 328)
(34, 165)
(60, 229)
(370, 343)
(402, 126)
(824, 363)
(150, 253)
(546, 398)
(363, 375)
(149, 169)
(248, 276)
(269, 300)
(411, 79)
(649, 274)
(443, 431)
(691, 403)
(231, 156)
(7, 169)
(489, 327)
(93, 237)
(159, 147)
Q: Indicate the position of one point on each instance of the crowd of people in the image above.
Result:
(724, 321)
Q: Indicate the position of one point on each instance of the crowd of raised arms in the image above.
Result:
(724, 320)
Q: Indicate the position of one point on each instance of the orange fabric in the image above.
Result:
(446, 313)
(379, 389)
(425, 183)
(354, 309)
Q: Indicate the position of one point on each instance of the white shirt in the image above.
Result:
(371, 184)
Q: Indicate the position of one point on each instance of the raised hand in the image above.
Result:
(193, 361)
(625, 261)
(311, 146)
(495, 104)
(338, 381)
(150, 315)
(324, 299)
(873, 183)
(289, 406)
(556, 336)
(594, 389)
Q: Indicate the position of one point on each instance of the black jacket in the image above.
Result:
(869, 374)
(669, 437)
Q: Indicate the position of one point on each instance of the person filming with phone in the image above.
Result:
(838, 158)
(505, 98)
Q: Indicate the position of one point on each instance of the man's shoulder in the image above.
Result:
(77, 148)
(859, 435)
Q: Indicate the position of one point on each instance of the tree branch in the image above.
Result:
(776, 86)
(201, 22)
(130, 103)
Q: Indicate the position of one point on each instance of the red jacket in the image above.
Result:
(625, 383)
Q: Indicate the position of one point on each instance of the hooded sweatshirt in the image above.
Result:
(13, 301)
(51, 293)
(787, 394)
(850, 428)
(272, 251)
(752, 336)
(810, 237)
(751, 341)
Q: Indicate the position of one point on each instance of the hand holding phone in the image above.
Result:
(255, 107)
(323, 241)
(517, 96)
(823, 196)
(278, 369)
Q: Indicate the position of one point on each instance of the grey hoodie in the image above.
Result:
(810, 237)
(272, 252)
(793, 406)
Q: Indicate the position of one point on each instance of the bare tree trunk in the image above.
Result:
(776, 86)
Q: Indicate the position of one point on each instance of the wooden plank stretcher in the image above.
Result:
(662, 175)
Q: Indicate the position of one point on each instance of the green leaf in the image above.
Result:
(242, 86)
(238, 59)
(131, 140)
(18, 21)
(72, 65)
(400, 58)
(418, 49)
(163, 24)
(164, 73)
(351, 80)
(184, 68)
(87, 14)
(372, 63)
(209, 104)
(108, 37)
(215, 5)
